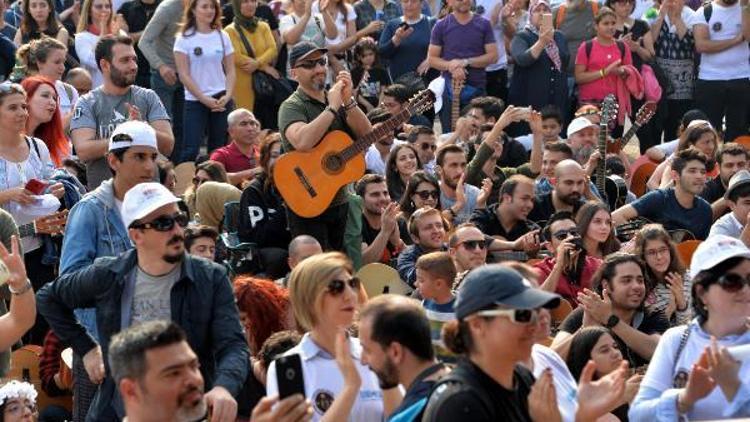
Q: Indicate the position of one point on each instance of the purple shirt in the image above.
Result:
(463, 41)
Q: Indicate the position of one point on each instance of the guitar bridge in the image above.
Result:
(306, 183)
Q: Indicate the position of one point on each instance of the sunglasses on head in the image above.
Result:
(310, 64)
(336, 287)
(516, 316)
(473, 244)
(733, 282)
(165, 223)
(427, 194)
(563, 234)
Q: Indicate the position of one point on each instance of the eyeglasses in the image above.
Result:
(164, 223)
(473, 244)
(516, 316)
(653, 253)
(199, 181)
(427, 146)
(310, 64)
(427, 194)
(733, 283)
(336, 287)
(563, 234)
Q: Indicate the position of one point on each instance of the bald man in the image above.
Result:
(300, 248)
(568, 192)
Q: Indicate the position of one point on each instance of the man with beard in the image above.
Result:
(427, 228)
(381, 238)
(396, 345)
(731, 158)
(616, 303)
(582, 138)
(721, 29)
(98, 113)
(569, 188)
(241, 156)
(377, 154)
(678, 207)
(156, 280)
(458, 198)
(424, 140)
(308, 115)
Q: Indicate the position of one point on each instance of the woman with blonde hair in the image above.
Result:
(97, 19)
(324, 297)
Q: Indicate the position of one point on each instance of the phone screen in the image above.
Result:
(546, 22)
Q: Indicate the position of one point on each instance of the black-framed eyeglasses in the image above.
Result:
(473, 244)
(310, 64)
(732, 282)
(425, 146)
(563, 234)
(336, 286)
(427, 194)
(164, 223)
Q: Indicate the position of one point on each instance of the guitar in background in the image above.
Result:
(613, 189)
(456, 88)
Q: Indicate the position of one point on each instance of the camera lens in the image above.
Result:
(289, 374)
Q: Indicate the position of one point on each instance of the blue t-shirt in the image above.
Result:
(661, 206)
(438, 314)
(462, 42)
(472, 193)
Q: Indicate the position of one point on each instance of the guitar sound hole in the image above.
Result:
(333, 163)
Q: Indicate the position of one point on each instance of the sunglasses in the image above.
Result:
(165, 223)
(427, 194)
(336, 287)
(473, 244)
(310, 64)
(733, 283)
(427, 146)
(563, 234)
(516, 316)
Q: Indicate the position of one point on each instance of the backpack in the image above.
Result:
(563, 9)
(620, 46)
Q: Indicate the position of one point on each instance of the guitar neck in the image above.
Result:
(385, 129)
(600, 166)
(456, 103)
(628, 136)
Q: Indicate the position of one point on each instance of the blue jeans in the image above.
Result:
(173, 99)
(198, 121)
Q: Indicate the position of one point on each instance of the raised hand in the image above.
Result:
(543, 399)
(14, 262)
(723, 369)
(675, 283)
(484, 192)
(597, 398)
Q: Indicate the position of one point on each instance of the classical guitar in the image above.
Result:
(308, 181)
(53, 224)
(613, 189)
(456, 88)
(644, 114)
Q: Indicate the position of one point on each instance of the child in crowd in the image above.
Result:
(368, 76)
(435, 275)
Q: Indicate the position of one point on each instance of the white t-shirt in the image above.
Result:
(351, 16)
(566, 388)
(314, 30)
(205, 54)
(487, 6)
(323, 381)
(732, 63)
(85, 43)
(662, 370)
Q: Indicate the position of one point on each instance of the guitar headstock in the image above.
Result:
(645, 113)
(609, 109)
(421, 102)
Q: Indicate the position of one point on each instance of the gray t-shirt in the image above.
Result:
(103, 113)
(578, 26)
(151, 300)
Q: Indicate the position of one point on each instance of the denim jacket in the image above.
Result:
(202, 303)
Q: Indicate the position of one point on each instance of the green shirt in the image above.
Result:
(300, 107)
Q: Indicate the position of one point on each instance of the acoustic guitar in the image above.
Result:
(308, 181)
(613, 189)
(456, 88)
(53, 224)
(644, 114)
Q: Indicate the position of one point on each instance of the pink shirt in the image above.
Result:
(601, 57)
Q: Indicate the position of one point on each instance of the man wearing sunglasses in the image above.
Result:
(424, 140)
(467, 246)
(308, 115)
(156, 280)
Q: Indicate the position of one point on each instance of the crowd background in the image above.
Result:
(568, 220)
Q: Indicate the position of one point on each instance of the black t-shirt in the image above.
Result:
(137, 14)
(645, 322)
(477, 397)
(369, 234)
(486, 220)
(514, 153)
(638, 30)
(544, 208)
(714, 190)
(250, 394)
(370, 90)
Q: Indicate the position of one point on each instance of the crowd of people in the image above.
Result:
(432, 208)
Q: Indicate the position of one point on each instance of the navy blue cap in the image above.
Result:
(497, 284)
(302, 50)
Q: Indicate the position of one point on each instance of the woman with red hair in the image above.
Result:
(44, 120)
(264, 309)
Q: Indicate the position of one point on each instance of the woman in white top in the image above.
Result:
(324, 297)
(300, 24)
(344, 17)
(205, 63)
(97, 19)
(692, 374)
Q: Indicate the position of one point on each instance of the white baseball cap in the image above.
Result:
(578, 124)
(143, 199)
(715, 250)
(133, 133)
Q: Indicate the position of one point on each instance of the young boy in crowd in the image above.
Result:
(435, 275)
(551, 127)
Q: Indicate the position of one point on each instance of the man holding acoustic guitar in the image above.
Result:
(307, 116)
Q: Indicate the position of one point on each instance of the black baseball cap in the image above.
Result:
(497, 284)
(302, 50)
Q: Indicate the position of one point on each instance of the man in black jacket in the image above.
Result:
(156, 280)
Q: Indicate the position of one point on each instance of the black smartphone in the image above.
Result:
(289, 376)
(404, 26)
(218, 95)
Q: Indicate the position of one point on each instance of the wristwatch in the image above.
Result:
(467, 62)
(612, 321)
(22, 290)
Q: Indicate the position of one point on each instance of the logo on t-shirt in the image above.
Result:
(716, 27)
(322, 400)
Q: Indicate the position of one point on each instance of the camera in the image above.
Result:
(577, 243)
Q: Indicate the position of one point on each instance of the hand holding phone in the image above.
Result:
(546, 23)
(289, 376)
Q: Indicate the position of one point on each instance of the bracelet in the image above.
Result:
(601, 73)
(350, 105)
(334, 112)
(22, 290)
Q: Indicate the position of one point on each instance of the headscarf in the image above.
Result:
(210, 199)
(241, 21)
(551, 48)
